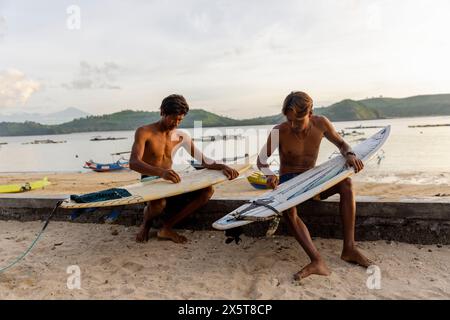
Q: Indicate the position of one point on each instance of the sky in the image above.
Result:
(234, 58)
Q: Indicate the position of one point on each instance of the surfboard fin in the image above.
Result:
(233, 235)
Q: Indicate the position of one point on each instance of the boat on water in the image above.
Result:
(219, 137)
(99, 138)
(107, 167)
(46, 141)
(343, 133)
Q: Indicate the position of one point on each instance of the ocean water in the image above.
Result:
(411, 155)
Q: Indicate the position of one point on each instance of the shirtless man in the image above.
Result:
(151, 155)
(299, 141)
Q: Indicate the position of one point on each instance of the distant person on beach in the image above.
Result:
(151, 155)
(298, 141)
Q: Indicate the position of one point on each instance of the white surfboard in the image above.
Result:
(302, 187)
(148, 190)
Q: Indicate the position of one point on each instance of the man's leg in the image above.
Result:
(347, 209)
(301, 233)
(151, 210)
(200, 199)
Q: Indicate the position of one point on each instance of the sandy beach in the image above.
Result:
(364, 185)
(114, 266)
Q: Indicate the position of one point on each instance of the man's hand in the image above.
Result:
(230, 173)
(272, 181)
(355, 162)
(170, 175)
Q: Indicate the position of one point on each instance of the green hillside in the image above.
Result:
(418, 106)
(123, 120)
(346, 110)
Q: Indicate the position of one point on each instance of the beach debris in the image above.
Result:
(58, 244)
(439, 245)
(115, 232)
(442, 195)
(275, 282)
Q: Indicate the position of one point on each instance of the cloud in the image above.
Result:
(15, 88)
(95, 77)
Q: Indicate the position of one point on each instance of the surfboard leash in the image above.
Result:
(25, 253)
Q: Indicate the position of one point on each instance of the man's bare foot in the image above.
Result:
(316, 267)
(142, 235)
(169, 234)
(356, 257)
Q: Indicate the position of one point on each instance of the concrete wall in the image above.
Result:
(414, 222)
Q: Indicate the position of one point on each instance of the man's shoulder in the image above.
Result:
(320, 121)
(319, 118)
(145, 130)
(282, 126)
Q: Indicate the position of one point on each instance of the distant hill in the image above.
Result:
(418, 106)
(346, 110)
(123, 120)
(59, 117)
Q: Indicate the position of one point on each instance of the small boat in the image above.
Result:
(98, 138)
(105, 167)
(46, 141)
(222, 137)
(22, 187)
(353, 133)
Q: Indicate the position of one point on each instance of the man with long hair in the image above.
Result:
(298, 142)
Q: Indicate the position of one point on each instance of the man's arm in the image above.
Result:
(137, 164)
(271, 145)
(333, 136)
(206, 162)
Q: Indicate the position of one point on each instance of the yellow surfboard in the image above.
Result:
(22, 187)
